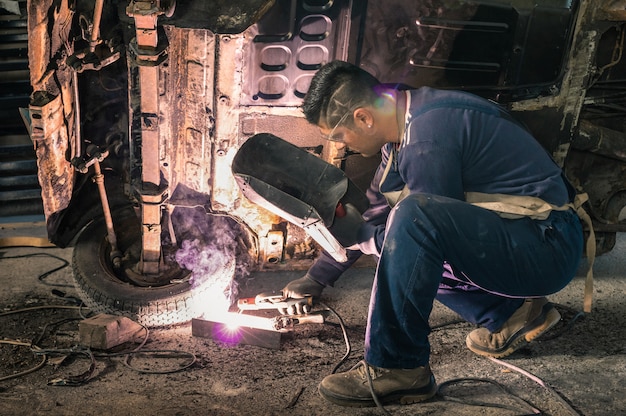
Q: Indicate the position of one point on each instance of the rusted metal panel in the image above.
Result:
(51, 143)
(187, 103)
(52, 102)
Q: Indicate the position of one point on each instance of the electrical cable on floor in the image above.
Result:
(501, 387)
(92, 355)
(72, 380)
(535, 410)
(87, 375)
(35, 308)
(344, 331)
(28, 371)
(170, 355)
(539, 381)
(448, 324)
(43, 276)
(37, 340)
(345, 337)
(139, 350)
(79, 306)
(45, 353)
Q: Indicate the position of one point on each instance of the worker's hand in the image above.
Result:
(346, 227)
(299, 289)
(300, 308)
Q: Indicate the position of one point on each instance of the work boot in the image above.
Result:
(529, 321)
(354, 387)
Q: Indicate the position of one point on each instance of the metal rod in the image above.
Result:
(95, 30)
(116, 255)
(77, 139)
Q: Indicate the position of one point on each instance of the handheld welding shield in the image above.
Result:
(299, 187)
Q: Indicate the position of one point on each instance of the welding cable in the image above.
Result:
(139, 350)
(37, 340)
(344, 331)
(43, 276)
(534, 410)
(379, 405)
(577, 314)
(501, 387)
(44, 357)
(72, 299)
(71, 380)
(172, 354)
(345, 337)
(35, 308)
(539, 381)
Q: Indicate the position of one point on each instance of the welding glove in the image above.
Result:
(298, 289)
(345, 227)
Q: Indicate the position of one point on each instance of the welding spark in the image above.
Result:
(227, 333)
(229, 327)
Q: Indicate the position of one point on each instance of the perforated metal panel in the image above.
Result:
(288, 45)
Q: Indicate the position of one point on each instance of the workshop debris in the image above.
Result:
(104, 331)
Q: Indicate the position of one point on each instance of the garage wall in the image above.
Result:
(20, 194)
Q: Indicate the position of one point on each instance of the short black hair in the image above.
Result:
(337, 88)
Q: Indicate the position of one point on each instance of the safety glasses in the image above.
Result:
(338, 137)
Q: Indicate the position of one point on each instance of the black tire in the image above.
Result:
(107, 291)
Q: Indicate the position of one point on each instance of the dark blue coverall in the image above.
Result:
(433, 244)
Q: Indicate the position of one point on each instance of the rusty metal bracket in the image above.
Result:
(99, 53)
(150, 56)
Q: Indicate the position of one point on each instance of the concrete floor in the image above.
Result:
(585, 364)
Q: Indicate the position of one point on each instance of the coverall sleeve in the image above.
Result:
(326, 270)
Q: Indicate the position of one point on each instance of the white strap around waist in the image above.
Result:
(513, 206)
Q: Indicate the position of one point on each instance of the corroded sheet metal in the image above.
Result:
(186, 106)
(51, 142)
(52, 102)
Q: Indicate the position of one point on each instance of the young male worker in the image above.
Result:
(443, 152)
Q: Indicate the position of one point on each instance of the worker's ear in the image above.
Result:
(363, 118)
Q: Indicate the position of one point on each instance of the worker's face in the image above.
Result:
(357, 136)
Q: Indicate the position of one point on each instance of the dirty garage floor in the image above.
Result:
(581, 363)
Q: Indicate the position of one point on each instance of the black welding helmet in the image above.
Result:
(294, 184)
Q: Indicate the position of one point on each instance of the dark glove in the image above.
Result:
(346, 227)
(298, 289)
